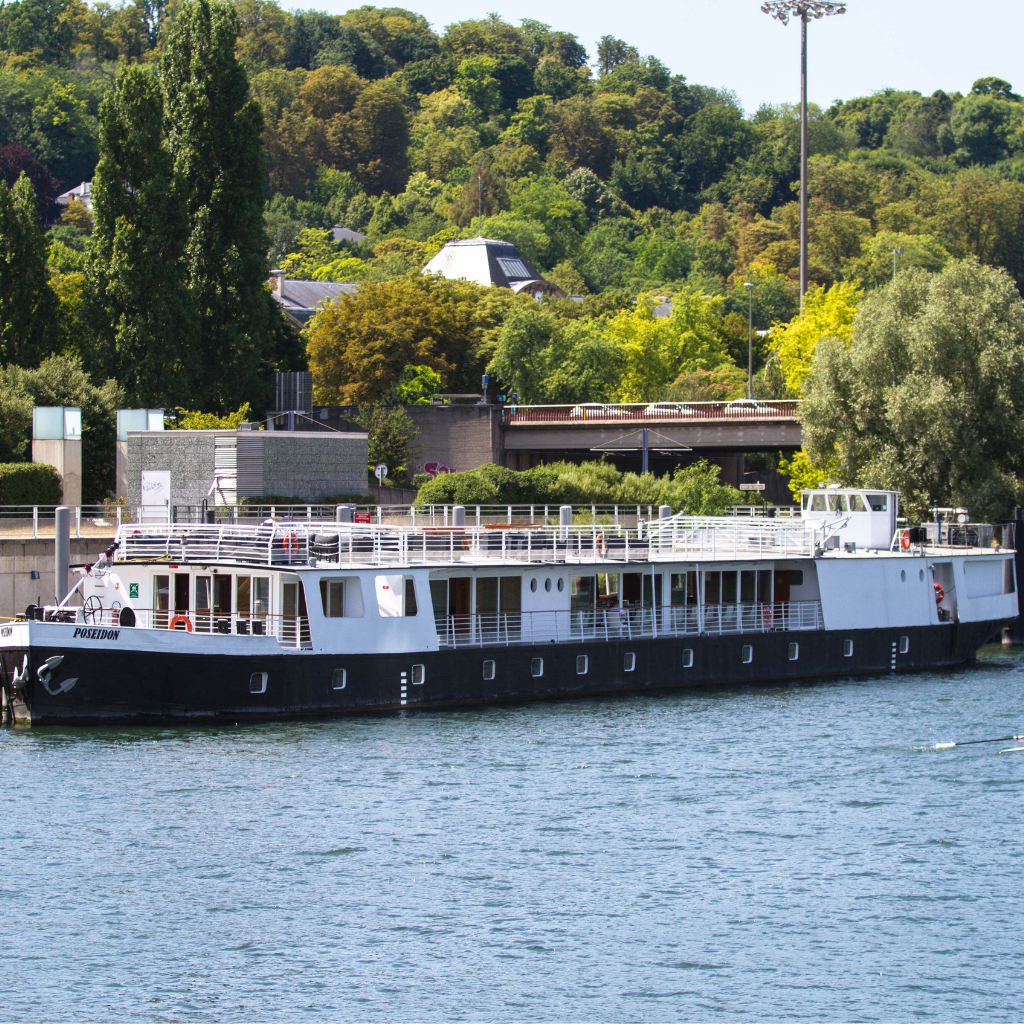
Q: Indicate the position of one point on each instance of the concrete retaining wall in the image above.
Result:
(19, 557)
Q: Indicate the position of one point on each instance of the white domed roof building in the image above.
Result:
(489, 261)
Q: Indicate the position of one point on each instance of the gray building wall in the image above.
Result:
(458, 437)
(188, 454)
(307, 465)
(313, 465)
(19, 557)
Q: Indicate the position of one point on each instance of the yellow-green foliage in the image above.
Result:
(188, 419)
(827, 313)
(804, 474)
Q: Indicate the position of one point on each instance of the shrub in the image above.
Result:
(29, 483)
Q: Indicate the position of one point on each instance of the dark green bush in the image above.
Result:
(29, 483)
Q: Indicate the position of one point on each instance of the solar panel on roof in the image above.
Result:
(514, 269)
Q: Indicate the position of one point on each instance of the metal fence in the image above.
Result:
(525, 628)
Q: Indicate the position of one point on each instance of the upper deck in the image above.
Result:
(285, 544)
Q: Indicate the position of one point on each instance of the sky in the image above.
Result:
(903, 44)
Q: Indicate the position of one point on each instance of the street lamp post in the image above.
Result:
(749, 285)
(783, 10)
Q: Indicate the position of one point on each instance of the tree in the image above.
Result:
(391, 431)
(213, 131)
(28, 305)
(359, 345)
(15, 160)
(612, 52)
(827, 314)
(928, 396)
(146, 328)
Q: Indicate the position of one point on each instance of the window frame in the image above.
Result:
(489, 670)
(585, 658)
(847, 648)
(419, 670)
(794, 651)
(687, 657)
(629, 662)
(536, 667)
(334, 679)
(262, 677)
(904, 645)
(747, 654)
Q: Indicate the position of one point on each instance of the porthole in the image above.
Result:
(533, 585)
(537, 668)
(847, 648)
(547, 584)
(903, 575)
(490, 669)
(258, 682)
(629, 662)
(688, 658)
(338, 679)
(747, 654)
(904, 644)
(794, 652)
(561, 584)
(582, 664)
(419, 674)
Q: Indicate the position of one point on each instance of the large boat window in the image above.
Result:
(607, 590)
(878, 502)
(161, 601)
(583, 592)
(748, 586)
(261, 596)
(818, 503)
(410, 596)
(712, 588)
(293, 610)
(728, 588)
(684, 588)
(857, 503)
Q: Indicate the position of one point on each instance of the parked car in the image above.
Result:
(669, 409)
(597, 412)
(749, 407)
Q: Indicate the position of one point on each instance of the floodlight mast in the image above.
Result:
(783, 10)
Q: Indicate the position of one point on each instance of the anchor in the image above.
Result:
(45, 671)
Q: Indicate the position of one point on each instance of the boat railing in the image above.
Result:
(285, 543)
(502, 629)
(288, 630)
(711, 538)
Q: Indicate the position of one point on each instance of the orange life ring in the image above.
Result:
(290, 542)
(766, 614)
(905, 540)
(600, 544)
(939, 593)
(173, 624)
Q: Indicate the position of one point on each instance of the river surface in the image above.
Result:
(784, 853)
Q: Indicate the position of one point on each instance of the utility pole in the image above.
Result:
(480, 205)
(749, 285)
(783, 10)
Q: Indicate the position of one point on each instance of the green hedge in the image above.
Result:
(29, 483)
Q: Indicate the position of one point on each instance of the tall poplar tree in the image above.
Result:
(214, 136)
(144, 324)
(28, 305)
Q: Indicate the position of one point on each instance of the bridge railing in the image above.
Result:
(649, 412)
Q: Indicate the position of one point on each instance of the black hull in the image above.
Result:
(127, 686)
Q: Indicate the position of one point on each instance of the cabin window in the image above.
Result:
(748, 586)
(878, 502)
(629, 662)
(533, 585)
(294, 624)
(222, 603)
(903, 575)
(537, 667)
(582, 664)
(339, 677)
(796, 577)
(243, 598)
(582, 593)
(747, 654)
(712, 587)
(161, 601)
(847, 648)
(204, 621)
(688, 658)
(393, 596)
(818, 503)
(857, 503)
(684, 588)
(490, 669)
(561, 584)
(1009, 577)
(904, 644)
(794, 652)
(332, 597)
(547, 585)
(258, 682)
(804, 500)
(419, 674)
(261, 596)
(729, 588)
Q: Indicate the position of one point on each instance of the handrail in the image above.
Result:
(506, 629)
(652, 412)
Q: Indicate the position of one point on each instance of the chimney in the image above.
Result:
(277, 281)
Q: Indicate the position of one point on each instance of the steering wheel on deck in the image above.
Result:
(92, 610)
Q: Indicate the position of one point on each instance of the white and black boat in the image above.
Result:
(280, 619)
